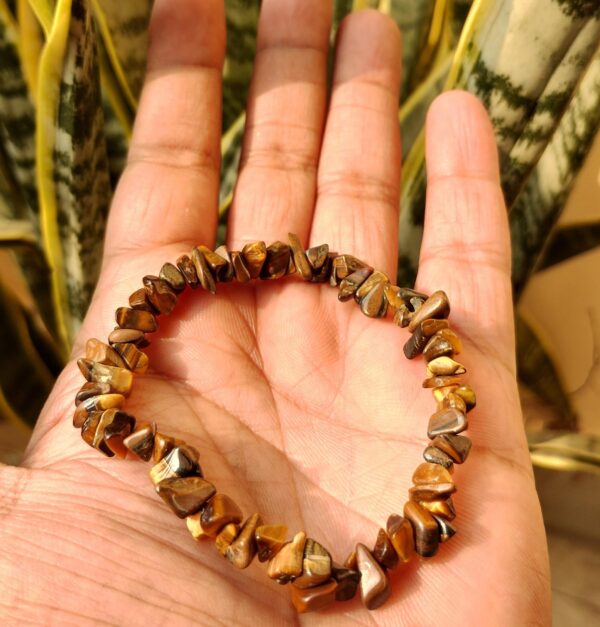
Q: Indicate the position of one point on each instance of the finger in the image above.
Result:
(359, 171)
(168, 191)
(286, 108)
(466, 246)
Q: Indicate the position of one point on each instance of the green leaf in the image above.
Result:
(72, 163)
(570, 241)
(538, 208)
(535, 368)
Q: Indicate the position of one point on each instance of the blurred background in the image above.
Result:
(70, 76)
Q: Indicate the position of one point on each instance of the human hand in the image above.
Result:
(302, 409)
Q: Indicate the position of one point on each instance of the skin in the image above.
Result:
(302, 408)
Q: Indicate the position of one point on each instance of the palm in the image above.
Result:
(303, 410)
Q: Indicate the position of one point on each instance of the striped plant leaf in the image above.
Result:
(538, 208)
(568, 242)
(123, 27)
(44, 11)
(242, 22)
(31, 42)
(72, 163)
(459, 11)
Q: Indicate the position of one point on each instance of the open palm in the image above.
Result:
(302, 409)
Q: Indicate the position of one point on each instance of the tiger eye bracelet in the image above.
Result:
(316, 579)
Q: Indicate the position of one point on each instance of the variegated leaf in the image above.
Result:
(73, 169)
(31, 42)
(568, 242)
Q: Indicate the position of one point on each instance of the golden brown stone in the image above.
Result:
(300, 258)
(216, 263)
(347, 580)
(276, 262)
(443, 508)
(432, 326)
(218, 512)
(98, 351)
(426, 530)
(343, 266)
(401, 296)
(188, 270)
(431, 473)
(374, 583)
(434, 456)
(431, 491)
(162, 445)
(96, 403)
(159, 294)
(446, 529)
(119, 380)
(242, 550)
(136, 319)
(226, 272)
(194, 527)
(181, 461)
(316, 565)
(317, 255)
(107, 430)
(374, 279)
(128, 336)
(468, 395)
(403, 316)
(138, 300)
(254, 255)
(141, 441)
(436, 306)
(173, 277)
(384, 551)
(323, 274)
(400, 532)
(226, 536)
(437, 346)
(286, 565)
(269, 540)
(352, 282)
(291, 269)
(441, 382)
(135, 360)
(415, 344)
(370, 295)
(453, 400)
(205, 276)
(446, 421)
(445, 366)
(350, 561)
(241, 271)
(456, 447)
(89, 389)
(185, 495)
(312, 599)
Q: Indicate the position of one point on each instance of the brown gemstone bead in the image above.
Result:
(446, 421)
(352, 282)
(312, 599)
(242, 550)
(400, 532)
(384, 551)
(194, 527)
(431, 491)
(181, 461)
(300, 259)
(374, 583)
(323, 274)
(445, 366)
(370, 295)
(426, 530)
(163, 444)
(403, 316)
(254, 255)
(443, 507)
(432, 482)
(446, 529)
(226, 536)
(219, 266)
(98, 351)
(205, 276)
(437, 346)
(343, 266)
(291, 269)
(269, 539)
(374, 279)
(415, 344)
(242, 274)
(453, 400)
(287, 563)
(160, 295)
(119, 380)
(218, 512)
(468, 395)
(317, 255)
(134, 359)
(138, 300)
(440, 382)
(276, 262)
(450, 336)
(107, 431)
(96, 403)
(436, 306)
(173, 277)
(457, 447)
(89, 431)
(188, 270)
(127, 336)
(399, 296)
(350, 561)
(431, 473)
(136, 319)
(316, 565)
(141, 441)
(225, 273)
(347, 580)
(185, 495)
(434, 456)
(89, 389)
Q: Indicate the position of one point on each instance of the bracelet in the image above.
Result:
(316, 579)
